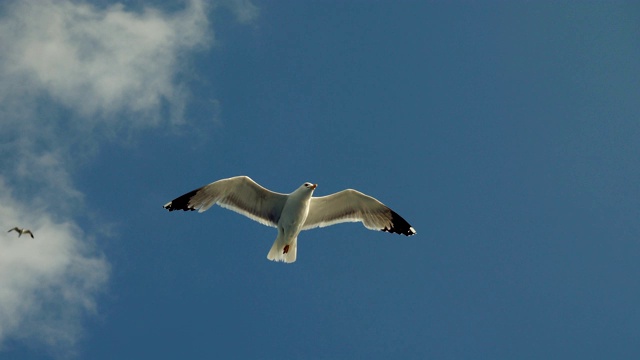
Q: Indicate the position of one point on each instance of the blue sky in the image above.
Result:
(506, 134)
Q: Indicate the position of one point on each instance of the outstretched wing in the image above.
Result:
(240, 194)
(353, 206)
(14, 229)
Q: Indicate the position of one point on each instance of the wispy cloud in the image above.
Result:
(47, 283)
(69, 73)
(99, 62)
(244, 10)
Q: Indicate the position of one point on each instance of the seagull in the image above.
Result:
(292, 213)
(21, 231)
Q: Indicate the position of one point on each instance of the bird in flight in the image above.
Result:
(21, 231)
(292, 213)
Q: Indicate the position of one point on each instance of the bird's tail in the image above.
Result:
(283, 250)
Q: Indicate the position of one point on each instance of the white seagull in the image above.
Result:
(21, 231)
(292, 213)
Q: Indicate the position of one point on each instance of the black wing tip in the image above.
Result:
(181, 202)
(399, 225)
(169, 206)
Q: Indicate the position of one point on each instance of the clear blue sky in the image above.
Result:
(507, 134)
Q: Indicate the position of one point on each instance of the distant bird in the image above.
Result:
(21, 231)
(292, 213)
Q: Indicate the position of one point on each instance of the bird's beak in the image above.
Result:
(314, 186)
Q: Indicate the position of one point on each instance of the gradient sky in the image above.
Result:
(507, 134)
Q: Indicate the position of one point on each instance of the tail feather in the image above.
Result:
(277, 252)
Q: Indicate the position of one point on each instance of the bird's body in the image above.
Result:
(292, 213)
(21, 231)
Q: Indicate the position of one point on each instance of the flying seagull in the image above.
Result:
(292, 213)
(21, 231)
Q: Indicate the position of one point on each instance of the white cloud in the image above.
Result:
(47, 283)
(69, 73)
(100, 62)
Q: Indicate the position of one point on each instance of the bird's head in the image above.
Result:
(305, 190)
(310, 186)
